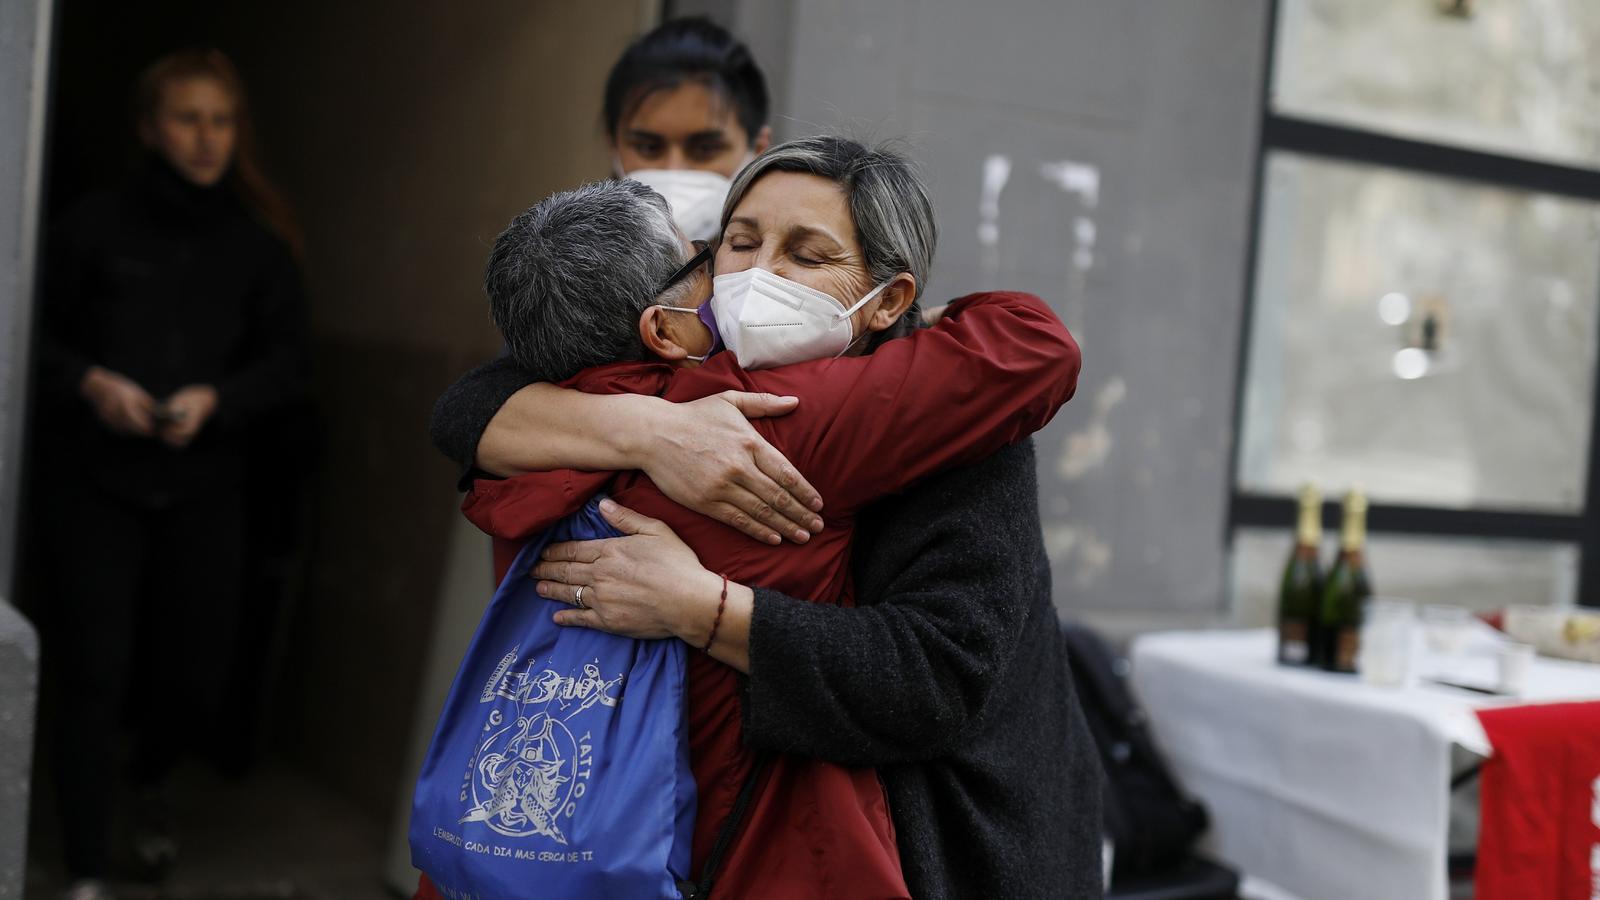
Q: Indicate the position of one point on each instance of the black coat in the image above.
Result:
(950, 676)
(951, 679)
(170, 285)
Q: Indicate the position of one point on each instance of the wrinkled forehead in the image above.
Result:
(799, 204)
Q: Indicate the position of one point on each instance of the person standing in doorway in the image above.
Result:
(172, 319)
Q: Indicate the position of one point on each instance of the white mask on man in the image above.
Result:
(694, 195)
(768, 320)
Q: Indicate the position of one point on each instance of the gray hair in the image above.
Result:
(568, 279)
(888, 205)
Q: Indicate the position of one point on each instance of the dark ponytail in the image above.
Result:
(687, 50)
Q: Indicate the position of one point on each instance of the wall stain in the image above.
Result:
(1088, 449)
(1079, 551)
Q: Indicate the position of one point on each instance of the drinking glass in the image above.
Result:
(1385, 655)
(1446, 628)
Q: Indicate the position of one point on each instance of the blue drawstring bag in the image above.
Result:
(560, 765)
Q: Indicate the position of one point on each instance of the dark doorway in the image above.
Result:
(405, 136)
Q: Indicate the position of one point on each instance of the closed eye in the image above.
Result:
(809, 254)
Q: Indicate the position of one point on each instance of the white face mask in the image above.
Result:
(768, 320)
(694, 195)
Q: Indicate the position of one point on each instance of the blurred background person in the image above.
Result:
(685, 108)
(172, 318)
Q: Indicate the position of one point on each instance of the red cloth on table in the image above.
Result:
(994, 370)
(1540, 805)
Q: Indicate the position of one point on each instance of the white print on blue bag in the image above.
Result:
(530, 768)
(559, 767)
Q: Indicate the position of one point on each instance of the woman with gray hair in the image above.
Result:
(947, 673)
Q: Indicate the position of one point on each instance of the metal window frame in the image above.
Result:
(1276, 131)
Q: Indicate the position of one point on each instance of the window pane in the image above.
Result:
(1431, 339)
(1518, 78)
(1481, 573)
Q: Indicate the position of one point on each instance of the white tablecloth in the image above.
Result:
(1318, 783)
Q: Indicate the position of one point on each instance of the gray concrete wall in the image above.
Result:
(1099, 153)
(24, 66)
(24, 77)
(19, 688)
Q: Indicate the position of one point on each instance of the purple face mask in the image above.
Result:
(710, 320)
(706, 319)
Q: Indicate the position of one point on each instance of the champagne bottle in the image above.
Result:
(1301, 590)
(1345, 591)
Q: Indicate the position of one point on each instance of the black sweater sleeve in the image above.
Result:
(945, 574)
(463, 411)
(274, 370)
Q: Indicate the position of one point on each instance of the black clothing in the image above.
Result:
(952, 680)
(462, 412)
(170, 285)
(950, 677)
(141, 631)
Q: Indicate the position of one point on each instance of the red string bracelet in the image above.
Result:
(721, 605)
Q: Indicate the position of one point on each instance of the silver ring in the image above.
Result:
(577, 599)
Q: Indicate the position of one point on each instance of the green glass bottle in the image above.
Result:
(1301, 590)
(1345, 592)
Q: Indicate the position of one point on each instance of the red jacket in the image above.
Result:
(995, 370)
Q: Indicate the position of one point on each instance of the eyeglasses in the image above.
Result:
(703, 251)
